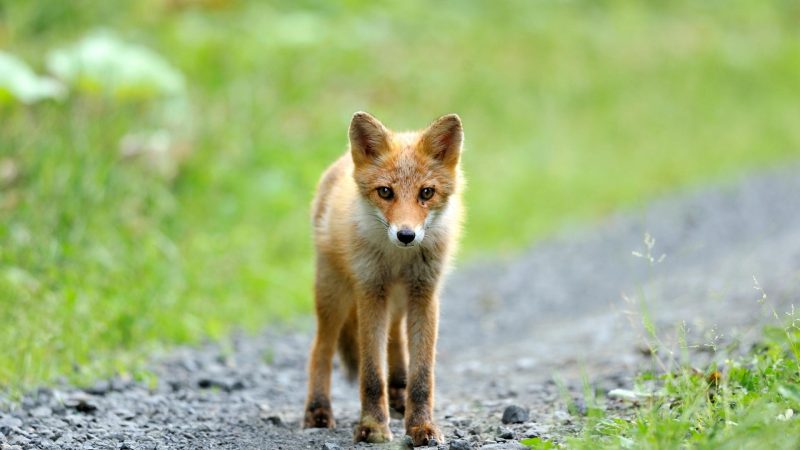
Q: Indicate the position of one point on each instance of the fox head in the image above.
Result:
(406, 178)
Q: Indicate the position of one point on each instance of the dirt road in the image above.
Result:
(566, 308)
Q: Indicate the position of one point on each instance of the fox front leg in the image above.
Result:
(373, 327)
(422, 323)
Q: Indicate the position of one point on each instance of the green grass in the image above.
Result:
(746, 401)
(571, 109)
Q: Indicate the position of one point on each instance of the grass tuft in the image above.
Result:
(750, 401)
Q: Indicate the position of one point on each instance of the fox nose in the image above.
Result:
(406, 236)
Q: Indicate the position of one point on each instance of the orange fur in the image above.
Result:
(386, 219)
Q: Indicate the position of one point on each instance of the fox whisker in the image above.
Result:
(382, 221)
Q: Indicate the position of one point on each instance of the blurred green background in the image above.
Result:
(162, 195)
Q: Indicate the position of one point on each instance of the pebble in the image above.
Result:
(99, 388)
(623, 394)
(274, 420)
(42, 411)
(537, 430)
(406, 442)
(125, 414)
(460, 444)
(580, 405)
(505, 446)
(331, 446)
(8, 422)
(226, 385)
(81, 403)
(562, 416)
(505, 433)
(515, 414)
(460, 421)
(20, 440)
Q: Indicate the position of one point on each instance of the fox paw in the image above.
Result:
(319, 417)
(371, 431)
(397, 399)
(423, 433)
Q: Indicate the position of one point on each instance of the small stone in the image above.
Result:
(81, 403)
(505, 433)
(460, 444)
(274, 420)
(29, 402)
(223, 384)
(537, 430)
(515, 414)
(330, 446)
(562, 416)
(580, 406)
(8, 423)
(23, 432)
(625, 394)
(99, 388)
(65, 438)
(406, 442)
(5, 446)
(42, 411)
(107, 436)
(505, 446)
(461, 421)
(525, 363)
(119, 383)
(20, 440)
(86, 407)
(459, 433)
(75, 420)
(58, 408)
(507, 393)
(125, 414)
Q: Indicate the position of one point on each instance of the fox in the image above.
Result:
(386, 217)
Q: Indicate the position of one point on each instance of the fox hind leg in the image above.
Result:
(331, 309)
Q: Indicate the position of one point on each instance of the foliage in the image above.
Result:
(101, 62)
(750, 401)
(19, 83)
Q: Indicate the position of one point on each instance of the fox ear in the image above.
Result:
(368, 138)
(443, 139)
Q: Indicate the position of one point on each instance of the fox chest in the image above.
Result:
(382, 268)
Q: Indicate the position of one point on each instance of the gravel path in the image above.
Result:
(565, 308)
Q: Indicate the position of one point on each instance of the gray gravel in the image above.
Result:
(519, 331)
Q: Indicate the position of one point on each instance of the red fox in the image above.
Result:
(386, 218)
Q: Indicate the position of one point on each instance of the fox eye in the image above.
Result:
(426, 193)
(385, 192)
